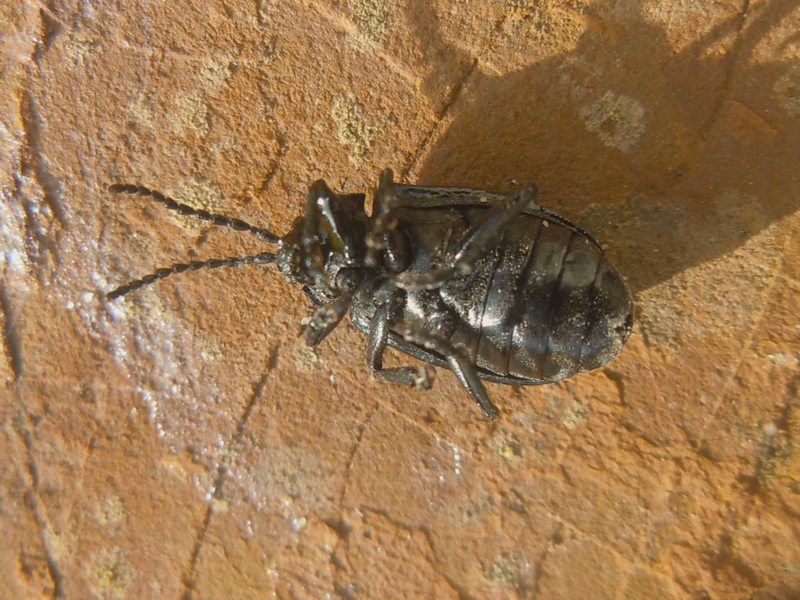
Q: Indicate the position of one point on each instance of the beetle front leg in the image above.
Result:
(464, 369)
(378, 337)
(310, 240)
(325, 319)
(478, 241)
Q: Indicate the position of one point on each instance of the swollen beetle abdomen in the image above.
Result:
(574, 304)
(540, 306)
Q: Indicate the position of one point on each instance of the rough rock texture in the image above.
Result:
(183, 441)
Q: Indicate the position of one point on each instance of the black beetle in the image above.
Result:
(493, 287)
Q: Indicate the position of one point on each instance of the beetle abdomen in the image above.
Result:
(553, 313)
(564, 310)
(539, 307)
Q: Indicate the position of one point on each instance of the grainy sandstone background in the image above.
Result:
(184, 442)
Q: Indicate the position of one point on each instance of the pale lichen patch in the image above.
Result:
(191, 115)
(372, 18)
(618, 120)
(111, 513)
(353, 128)
(108, 573)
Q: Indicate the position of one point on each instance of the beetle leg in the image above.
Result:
(385, 243)
(310, 238)
(378, 336)
(325, 319)
(479, 240)
(459, 363)
(383, 221)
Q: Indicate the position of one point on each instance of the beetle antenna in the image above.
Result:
(263, 258)
(184, 209)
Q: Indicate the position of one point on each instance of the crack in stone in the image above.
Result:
(33, 161)
(31, 498)
(11, 340)
(724, 555)
(745, 346)
(555, 540)
(743, 45)
(454, 95)
(276, 164)
(344, 24)
(36, 238)
(51, 28)
(433, 560)
(729, 68)
(463, 594)
(339, 525)
(190, 578)
(354, 451)
(79, 482)
(424, 145)
(566, 526)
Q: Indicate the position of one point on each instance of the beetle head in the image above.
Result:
(326, 240)
(294, 260)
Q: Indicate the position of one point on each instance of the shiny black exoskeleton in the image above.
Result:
(493, 287)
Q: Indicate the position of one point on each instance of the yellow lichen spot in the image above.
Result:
(307, 358)
(81, 48)
(191, 115)
(108, 574)
(220, 505)
(506, 446)
(545, 24)
(353, 129)
(575, 415)
(216, 71)
(199, 193)
(372, 18)
(509, 570)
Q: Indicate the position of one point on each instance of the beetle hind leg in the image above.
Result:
(482, 238)
(463, 368)
(459, 363)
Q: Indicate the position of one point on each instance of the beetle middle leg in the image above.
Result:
(477, 242)
(378, 337)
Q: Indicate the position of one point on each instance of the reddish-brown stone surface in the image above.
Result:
(184, 441)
